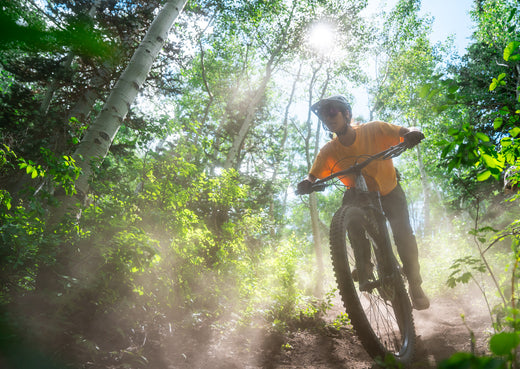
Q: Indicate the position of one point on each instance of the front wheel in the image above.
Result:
(382, 313)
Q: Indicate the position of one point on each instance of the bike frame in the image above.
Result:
(360, 197)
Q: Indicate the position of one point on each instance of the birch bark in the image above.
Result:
(85, 103)
(426, 191)
(238, 141)
(94, 146)
(313, 201)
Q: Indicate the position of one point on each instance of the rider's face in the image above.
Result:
(333, 118)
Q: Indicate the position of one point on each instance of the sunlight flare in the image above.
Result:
(322, 37)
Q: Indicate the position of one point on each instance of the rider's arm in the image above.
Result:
(311, 178)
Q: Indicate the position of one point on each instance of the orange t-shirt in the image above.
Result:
(371, 138)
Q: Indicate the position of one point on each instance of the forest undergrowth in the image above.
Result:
(125, 293)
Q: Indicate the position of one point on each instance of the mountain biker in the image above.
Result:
(351, 143)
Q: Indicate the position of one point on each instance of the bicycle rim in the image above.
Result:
(382, 316)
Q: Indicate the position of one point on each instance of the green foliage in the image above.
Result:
(21, 230)
(26, 246)
(511, 51)
(341, 321)
(166, 240)
(480, 107)
(388, 362)
(470, 361)
(275, 288)
(502, 346)
(486, 138)
(462, 270)
(79, 35)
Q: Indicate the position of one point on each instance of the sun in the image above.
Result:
(322, 37)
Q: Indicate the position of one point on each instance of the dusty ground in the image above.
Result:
(441, 332)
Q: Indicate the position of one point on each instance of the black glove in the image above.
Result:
(304, 187)
(412, 138)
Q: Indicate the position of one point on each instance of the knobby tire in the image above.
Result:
(383, 317)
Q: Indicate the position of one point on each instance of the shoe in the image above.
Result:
(364, 278)
(419, 299)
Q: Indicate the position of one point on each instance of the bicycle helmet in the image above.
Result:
(338, 101)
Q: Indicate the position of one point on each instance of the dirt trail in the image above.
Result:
(441, 332)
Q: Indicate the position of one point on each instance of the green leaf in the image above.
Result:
(424, 90)
(490, 161)
(446, 150)
(506, 141)
(482, 136)
(484, 175)
(453, 131)
(34, 174)
(453, 89)
(433, 92)
(496, 81)
(514, 132)
(497, 123)
(466, 360)
(504, 110)
(440, 109)
(510, 49)
(511, 15)
(503, 343)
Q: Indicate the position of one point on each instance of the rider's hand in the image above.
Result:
(412, 138)
(304, 187)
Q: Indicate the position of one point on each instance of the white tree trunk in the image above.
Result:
(238, 141)
(313, 201)
(99, 136)
(85, 103)
(426, 192)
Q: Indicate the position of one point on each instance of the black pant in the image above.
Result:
(396, 211)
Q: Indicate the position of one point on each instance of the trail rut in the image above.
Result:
(441, 331)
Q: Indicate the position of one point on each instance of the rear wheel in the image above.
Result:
(382, 313)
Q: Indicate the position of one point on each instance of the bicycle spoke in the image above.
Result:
(382, 313)
(378, 306)
(382, 318)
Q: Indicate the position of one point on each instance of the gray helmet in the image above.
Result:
(338, 100)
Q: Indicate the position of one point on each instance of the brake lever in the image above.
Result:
(395, 153)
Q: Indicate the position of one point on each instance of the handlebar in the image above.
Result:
(389, 153)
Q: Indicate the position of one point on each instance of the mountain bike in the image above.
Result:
(368, 274)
